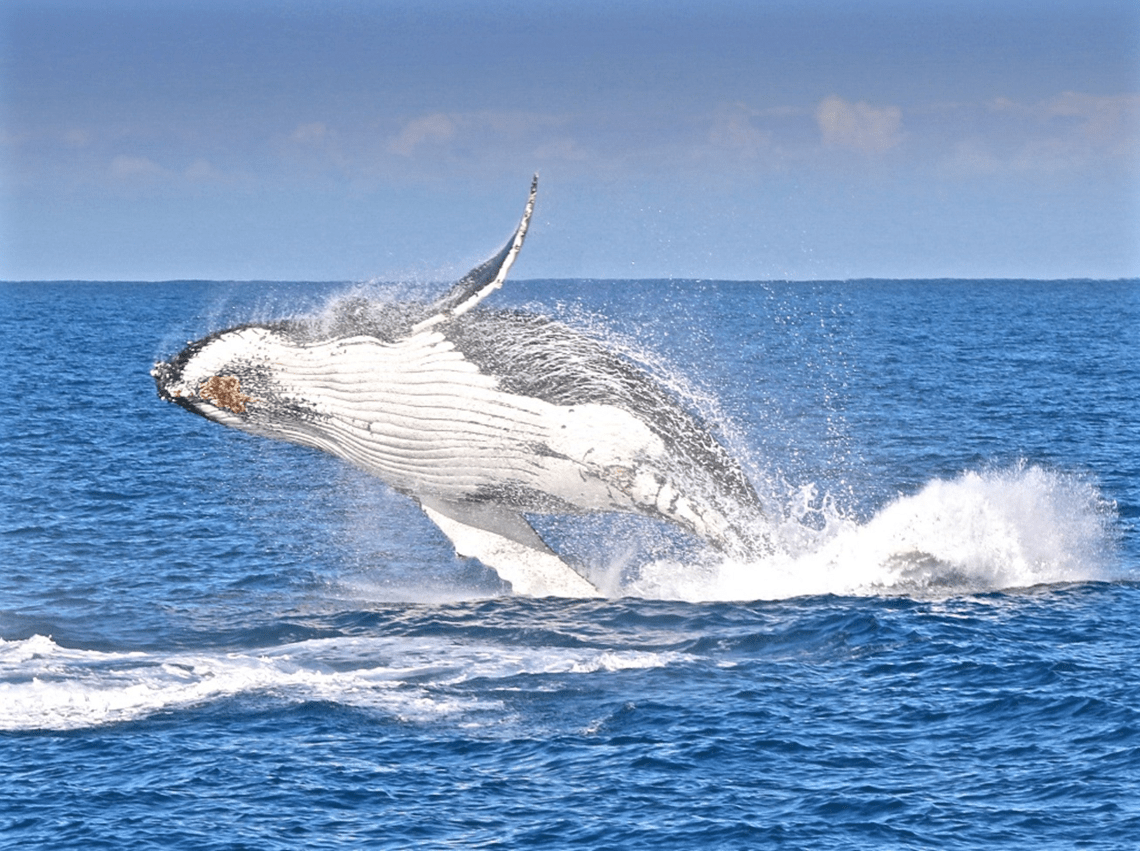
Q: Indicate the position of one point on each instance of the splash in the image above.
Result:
(982, 531)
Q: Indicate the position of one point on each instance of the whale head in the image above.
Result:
(228, 377)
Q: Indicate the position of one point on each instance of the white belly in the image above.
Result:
(421, 417)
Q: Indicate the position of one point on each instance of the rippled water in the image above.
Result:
(212, 641)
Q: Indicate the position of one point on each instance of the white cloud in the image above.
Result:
(129, 170)
(489, 137)
(315, 147)
(314, 133)
(201, 170)
(859, 126)
(972, 157)
(1109, 121)
(733, 129)
(77, 137)
(127, 167)
(561, 150)
(1072, 130)
(436, 127)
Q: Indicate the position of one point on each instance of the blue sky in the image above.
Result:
(154, 140)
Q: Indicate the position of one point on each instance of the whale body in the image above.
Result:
(482, 416)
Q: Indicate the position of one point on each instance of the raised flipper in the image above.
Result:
(505, 542)
(484, 279)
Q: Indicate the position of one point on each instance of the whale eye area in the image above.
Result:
(224, 391)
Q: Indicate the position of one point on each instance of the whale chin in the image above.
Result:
(480, 416)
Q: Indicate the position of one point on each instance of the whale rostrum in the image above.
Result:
(482, 416)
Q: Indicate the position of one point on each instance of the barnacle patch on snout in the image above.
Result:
(224, 391)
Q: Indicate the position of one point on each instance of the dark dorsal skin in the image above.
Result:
(535, 356)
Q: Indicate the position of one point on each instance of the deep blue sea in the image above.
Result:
(212, 641)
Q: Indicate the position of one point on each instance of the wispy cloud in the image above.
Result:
(1085, 123)
(734, 129)
(202, 171)
(859, 126)
(127, 170)
(127, 167)
(312, 133)
(436, 127)
(1068, 132)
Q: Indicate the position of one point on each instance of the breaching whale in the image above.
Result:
(482, 416)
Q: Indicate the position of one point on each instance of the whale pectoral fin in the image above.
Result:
(485, 278)
(490, 518)
(505, 542)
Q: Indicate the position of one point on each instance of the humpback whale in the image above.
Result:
(482, 416)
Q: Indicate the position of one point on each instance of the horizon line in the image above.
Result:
(589, 279)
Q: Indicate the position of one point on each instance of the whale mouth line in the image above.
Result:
(164, 373)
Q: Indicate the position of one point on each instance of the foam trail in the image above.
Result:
(982, 531)
(46, 686)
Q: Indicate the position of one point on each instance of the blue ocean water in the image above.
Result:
(211, 641)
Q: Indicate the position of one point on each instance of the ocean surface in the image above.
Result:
(212, 641)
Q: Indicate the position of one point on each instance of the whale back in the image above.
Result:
(532, 355)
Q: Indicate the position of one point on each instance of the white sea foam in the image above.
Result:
(46, 686)
(981, 531)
